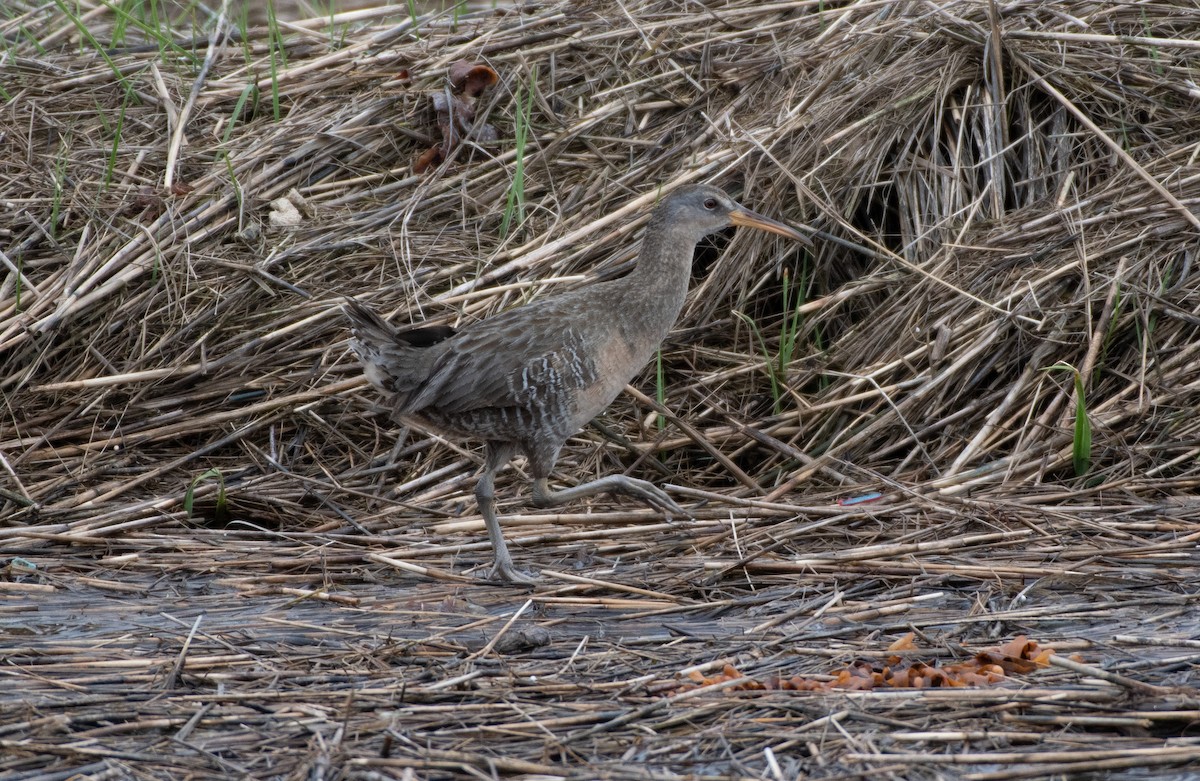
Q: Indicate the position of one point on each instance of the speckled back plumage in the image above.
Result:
(515, 377)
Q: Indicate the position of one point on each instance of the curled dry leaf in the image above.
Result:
(471, 79)
(430, 157)
(987, 668)
(454, 110)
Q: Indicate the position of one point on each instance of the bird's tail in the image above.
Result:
(396, 362)
(365, 325)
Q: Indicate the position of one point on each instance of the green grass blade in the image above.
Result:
(776, 392)
(111, 165)
(91, 40)
(154, 30)
(413, 17)
(238, 108)
(1081, 445)
(189, 496)
(514, 204)
(1081, 439)
(277, 58)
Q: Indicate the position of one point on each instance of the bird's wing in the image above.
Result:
(533, 358)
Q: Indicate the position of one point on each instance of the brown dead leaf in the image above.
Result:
(986, 668)
(454, 112)
(904, 643)
(471, 79)
(430, 157)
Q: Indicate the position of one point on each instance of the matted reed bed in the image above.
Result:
(968, 415)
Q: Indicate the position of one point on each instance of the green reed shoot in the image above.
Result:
(278, 57)
(514, 204)
(1081, 442)
(189, 497)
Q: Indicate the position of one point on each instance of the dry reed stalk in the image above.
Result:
(994, 189)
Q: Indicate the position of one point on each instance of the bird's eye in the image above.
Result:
(710, 203)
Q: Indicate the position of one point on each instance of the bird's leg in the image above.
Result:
(497, 456)
(544, 496)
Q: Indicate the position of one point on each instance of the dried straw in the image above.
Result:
(995, 190)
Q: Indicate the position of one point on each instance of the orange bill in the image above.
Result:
(742, 216)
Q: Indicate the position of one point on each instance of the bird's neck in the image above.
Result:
(656, 288)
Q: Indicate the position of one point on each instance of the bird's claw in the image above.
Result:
(506, 572)
(655, 497)
(667, 505)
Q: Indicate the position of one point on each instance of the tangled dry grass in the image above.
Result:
(996, 189)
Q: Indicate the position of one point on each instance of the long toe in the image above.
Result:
(655, 497)
(668, 505)
(508, 573)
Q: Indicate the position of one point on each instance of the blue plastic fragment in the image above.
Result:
(860, 499)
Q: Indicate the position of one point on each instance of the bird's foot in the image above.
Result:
(507, 572)
(648, 493)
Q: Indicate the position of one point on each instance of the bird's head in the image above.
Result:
(703, 209)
